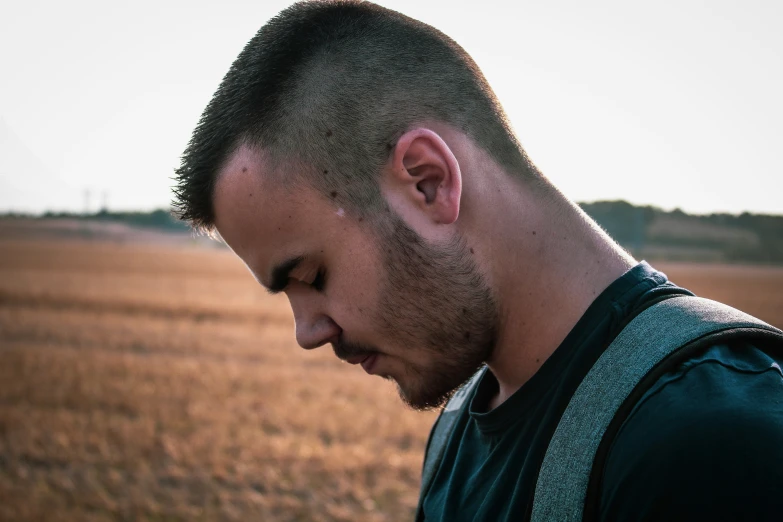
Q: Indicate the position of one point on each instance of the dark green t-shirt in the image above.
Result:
(704, 443)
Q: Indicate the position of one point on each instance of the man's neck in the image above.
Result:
(555, 263)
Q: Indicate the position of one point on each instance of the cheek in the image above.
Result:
(357, 277)
(361, 308)
(359, 305)
(351, 302)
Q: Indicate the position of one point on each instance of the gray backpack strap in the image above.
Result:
(649, 338)
(439, 436)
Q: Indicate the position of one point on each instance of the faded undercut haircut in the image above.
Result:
(330, 86)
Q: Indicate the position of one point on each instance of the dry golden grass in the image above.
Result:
(757, 290)
(161, 383)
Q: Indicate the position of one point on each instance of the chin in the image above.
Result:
(421, 398)
(430, 388)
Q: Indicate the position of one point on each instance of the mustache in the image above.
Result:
(344, 349)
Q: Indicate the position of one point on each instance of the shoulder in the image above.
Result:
(705, 442)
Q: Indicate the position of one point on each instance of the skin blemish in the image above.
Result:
(538, 360)
(340, 212)
(467, 335)
(361, 219)
(326, 172)
(534, 232)
(471, 251)
(250, 195)
(333, 194)
(244, 169)
(328, 133)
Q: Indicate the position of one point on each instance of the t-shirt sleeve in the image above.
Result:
(704, 443)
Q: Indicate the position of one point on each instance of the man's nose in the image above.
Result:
(314, 327)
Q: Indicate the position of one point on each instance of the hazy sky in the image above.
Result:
(673, 103)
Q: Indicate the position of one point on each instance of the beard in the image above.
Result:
(434, 300)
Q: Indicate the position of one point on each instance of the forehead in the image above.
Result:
(259, 217)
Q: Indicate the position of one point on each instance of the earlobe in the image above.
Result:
(428, 174)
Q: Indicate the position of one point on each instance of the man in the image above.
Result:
(358, 161)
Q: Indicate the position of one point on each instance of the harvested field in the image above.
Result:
(154, 382)
(161, 383)
(757, 290)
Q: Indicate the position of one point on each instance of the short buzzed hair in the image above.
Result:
(330, 87)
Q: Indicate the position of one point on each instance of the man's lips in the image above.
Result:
(357, 359)
(367, 361)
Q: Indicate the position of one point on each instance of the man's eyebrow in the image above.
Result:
(280, 274)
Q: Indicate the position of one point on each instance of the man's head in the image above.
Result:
(317, 162)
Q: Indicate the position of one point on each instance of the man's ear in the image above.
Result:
(426, 174)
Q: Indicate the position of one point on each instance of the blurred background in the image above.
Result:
(144, 375)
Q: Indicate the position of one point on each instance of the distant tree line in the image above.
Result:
(652, 233)
(647, 232)
(158, 219)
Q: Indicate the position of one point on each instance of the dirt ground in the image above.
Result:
(154, 381)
